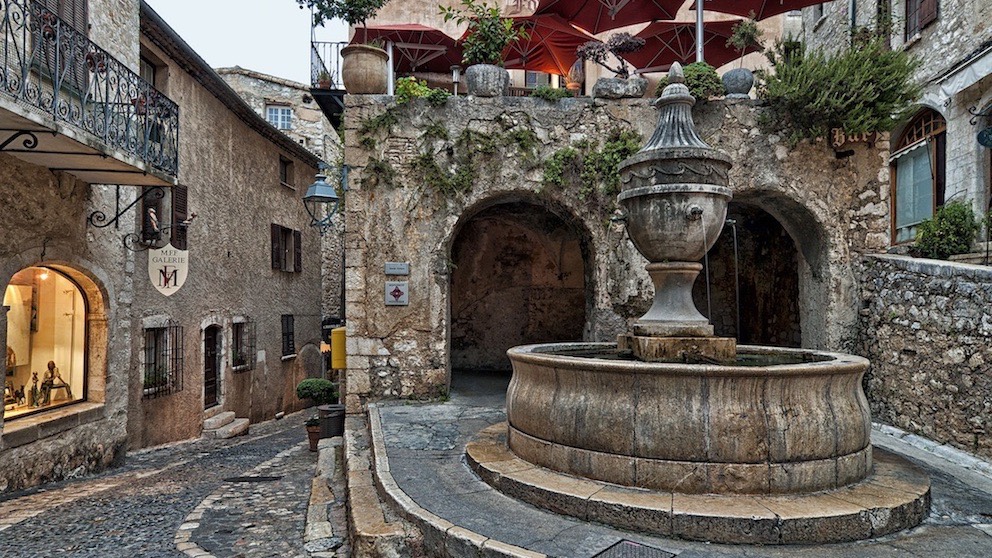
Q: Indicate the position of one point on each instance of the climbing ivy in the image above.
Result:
(594, 172)
(379, 172)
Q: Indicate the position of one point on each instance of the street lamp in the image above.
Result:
(321, 200)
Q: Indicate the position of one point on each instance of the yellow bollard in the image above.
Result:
(339, 358)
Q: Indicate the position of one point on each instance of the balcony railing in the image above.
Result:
(49, 65)
(325, 61)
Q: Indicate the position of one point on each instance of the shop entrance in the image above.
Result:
(211, 365)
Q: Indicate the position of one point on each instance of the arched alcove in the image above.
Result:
(761, 270)
(518, 277)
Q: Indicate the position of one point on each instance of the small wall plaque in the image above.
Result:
(397, 268)
(397, 293)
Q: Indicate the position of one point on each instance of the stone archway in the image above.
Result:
(519, 276)
(765, 277)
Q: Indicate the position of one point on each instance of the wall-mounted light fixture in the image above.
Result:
(456, 76)
(322, 201)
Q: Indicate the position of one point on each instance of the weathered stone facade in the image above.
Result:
(832, 208)
(926, 328)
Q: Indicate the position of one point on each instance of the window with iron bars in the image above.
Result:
(288, 341)
(163, 366)
(243, 345)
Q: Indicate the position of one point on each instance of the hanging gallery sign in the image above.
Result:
(167, 268)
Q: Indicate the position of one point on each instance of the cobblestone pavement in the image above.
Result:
(175, 495)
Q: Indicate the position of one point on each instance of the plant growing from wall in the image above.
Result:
(550, 93)
(488, 33)
(950, 231)
(615, 47)
(378, 172)
(701, 79)
(592, 171)
(865, 88)
(408, 88)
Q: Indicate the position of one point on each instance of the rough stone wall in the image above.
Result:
(232, 175)
(114, 27)
(833, 208)
(926, 328)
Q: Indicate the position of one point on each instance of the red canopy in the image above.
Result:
(550, 47)
(675, 41)
(762, 8)
(416, 47)
(596, 16)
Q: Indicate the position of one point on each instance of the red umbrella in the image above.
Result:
(417, 47)
(762, 8)
(549, 48)
(675, 41)
(596, 16)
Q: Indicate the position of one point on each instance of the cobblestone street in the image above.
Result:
(243, 497)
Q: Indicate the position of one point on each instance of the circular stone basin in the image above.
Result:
(780, 421)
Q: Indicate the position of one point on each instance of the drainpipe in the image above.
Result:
(389, 71)
(699, 30)
(852, 8)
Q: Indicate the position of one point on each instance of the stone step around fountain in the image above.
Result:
(894, 497)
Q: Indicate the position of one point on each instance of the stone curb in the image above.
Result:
(319, 538)
(441, 537)
(948, 453)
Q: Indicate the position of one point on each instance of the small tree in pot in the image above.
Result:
(738, 82)
(363, 66)
(324, 394)
(488, 34)
(615, 47)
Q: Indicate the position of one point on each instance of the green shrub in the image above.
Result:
(550, 93)
(867, 88)
(321, 391)
(411, 88)
(488, 31)
(951, 231)
(701, 79)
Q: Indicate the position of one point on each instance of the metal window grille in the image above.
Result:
(288, 341)
(244, 346)
(164, 356)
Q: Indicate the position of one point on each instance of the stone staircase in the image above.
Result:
(218, 424)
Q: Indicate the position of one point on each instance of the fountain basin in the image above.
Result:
(780, 421)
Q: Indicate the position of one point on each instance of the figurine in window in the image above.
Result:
(54, 379)
(34, 390)
(11, 361)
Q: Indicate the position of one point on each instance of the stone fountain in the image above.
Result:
(678, 432)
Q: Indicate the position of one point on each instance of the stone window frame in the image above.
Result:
(287, 249)
(928, 127)
(279, 114)
(243, 344)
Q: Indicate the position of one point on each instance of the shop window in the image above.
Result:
(287, 252)
(243, 345)
(288, 340)
(919, 14)
(918, 174)
(46, 342)
(279, 116)
(163, 366)
(286, 172)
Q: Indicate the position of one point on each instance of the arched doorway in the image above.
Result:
(211, 366)
(765, 278)
(518, 277)
(47, 336)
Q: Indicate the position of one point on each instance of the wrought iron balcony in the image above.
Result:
(325, 79)
(50, 66)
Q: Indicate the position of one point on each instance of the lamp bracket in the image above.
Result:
(100, 220)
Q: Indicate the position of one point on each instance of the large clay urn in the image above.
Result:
(487, 80)
(363, 70)
(675, 192)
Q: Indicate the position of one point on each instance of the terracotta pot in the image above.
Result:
(487, 80)
(313, 436)
(363, 70)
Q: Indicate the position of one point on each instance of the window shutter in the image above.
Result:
(180, 211)
(297, 251)
(276, 249)
(928, 12)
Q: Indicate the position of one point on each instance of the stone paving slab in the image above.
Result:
(425, 460)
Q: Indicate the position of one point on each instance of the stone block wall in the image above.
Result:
(833, 208)
(926, 328)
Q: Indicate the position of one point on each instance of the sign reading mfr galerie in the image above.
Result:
(168, 268)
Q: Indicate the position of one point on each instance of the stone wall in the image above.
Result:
(832, 208)
(926, 328)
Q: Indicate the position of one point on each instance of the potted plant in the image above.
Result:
(363, 65)
(323, 80)
(621, 86)
(313, 431)
(488, 34)
(324, 394)
(738, 82)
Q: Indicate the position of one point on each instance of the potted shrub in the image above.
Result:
(313, 431)
(488, 34)
(324, 394)
(363, 66)
(621, 86)
(738, 82)
(323, 80)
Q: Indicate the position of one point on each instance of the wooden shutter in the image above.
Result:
(276, 246)
(180, 212)
(297, 251)
(928, 12)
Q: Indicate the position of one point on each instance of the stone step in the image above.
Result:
(218, 420)
(212, 412)
(237, 427)
(978, 258)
